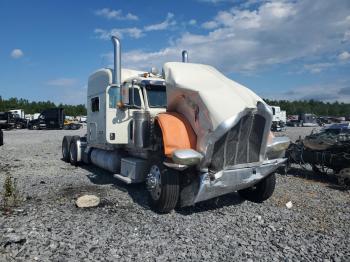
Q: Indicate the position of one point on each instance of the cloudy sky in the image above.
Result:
(297, 49)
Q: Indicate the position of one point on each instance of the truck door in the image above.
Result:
(120, 121)
(95, 113)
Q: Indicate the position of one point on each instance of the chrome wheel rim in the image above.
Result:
(154, 184)
(72, 153)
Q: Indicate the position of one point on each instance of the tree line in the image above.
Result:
(292, 107)
(318, 108)
(31, 107)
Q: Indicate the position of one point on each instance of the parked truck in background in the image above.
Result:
(179, 132)
(303, 119)
(6, 120)
(52, 118)
(279, 118)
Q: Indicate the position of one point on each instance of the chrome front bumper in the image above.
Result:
(227, 181)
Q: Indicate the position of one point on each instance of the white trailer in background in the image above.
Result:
(32, 116)
(191, 133)
(82, 119)
(19, 112)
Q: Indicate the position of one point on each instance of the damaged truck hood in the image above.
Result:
(205, 97)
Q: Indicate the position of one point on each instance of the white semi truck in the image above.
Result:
(279, 118)
(278, 115)
(190, 133)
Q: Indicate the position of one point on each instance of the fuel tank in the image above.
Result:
(108, 160)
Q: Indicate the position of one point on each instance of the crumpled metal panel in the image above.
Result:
(227, 181)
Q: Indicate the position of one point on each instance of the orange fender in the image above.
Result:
(177, 132)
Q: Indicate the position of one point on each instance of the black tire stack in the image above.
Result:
(69, 149)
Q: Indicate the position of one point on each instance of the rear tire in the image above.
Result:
(35, 127)
(163, 185)
(65, 148)
(261, 191)
(73, 151)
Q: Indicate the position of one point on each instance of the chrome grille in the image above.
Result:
(241, 144)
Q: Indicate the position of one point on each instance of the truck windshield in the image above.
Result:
(156, 95)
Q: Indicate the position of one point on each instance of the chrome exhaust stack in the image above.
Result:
(184, 56)
(116, 81)
(117, 61)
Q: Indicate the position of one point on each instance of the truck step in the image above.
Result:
(124, 179)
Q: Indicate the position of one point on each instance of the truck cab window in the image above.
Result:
(156, 95)
(95, 104)
(134, 96)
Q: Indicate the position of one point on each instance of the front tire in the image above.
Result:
(261, 191)
(163, 185)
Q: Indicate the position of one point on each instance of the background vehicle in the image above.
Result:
(6, 120)
(19, 122)
(279, 119)
(179, 132)
(326, 150)
(19, 112)
(52, 118)
(83, 119)
(304, 119)
(71, 125)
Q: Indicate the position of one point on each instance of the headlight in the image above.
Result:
(277, 147)
(187, 157)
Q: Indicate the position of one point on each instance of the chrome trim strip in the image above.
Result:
(78, 151)
(175, 166)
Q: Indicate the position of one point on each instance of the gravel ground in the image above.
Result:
(47, 226)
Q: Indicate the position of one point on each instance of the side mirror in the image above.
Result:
(128, 96)
(125, 95)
